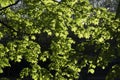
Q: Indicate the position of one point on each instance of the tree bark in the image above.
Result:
(118, 11)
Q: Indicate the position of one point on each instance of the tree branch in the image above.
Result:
(9, 27)
(9, 5)
(18, 31)
(118, 11)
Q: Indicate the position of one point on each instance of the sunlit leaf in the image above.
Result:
(91, 71)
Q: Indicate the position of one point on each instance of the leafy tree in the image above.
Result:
(58, 38)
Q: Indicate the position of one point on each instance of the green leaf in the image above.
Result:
(1, 35)
(26, 38)
(19, 57)
(91, 71)
(1, 71)
(33, 37)
(24, 72)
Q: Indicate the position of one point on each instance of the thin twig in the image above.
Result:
(8, 26)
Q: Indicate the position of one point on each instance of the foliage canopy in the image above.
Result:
(58, 38)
